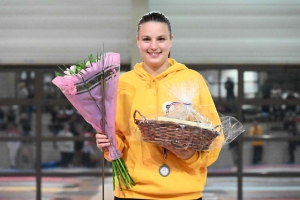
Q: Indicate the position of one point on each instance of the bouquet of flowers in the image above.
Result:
(182, 125)
(91, 87)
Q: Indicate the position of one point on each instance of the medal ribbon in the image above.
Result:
(165, 151)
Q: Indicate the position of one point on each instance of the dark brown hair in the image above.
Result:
(154, 17)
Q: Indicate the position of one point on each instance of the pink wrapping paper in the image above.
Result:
(84, 91)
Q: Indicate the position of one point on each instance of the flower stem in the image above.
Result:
(115, 168)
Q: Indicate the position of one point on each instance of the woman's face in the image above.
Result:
(154, 42)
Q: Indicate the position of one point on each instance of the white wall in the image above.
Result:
(206, 31)
(233, 31)
(60, 31)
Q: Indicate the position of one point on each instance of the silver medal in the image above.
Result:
(164, 170)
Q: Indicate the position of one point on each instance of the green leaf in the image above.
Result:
(61, 68)
(80, 66)
(65, 67)
(58, 73)
(92, 59)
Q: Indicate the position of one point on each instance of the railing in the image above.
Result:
(40, 102)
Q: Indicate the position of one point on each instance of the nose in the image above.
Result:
(153, 45)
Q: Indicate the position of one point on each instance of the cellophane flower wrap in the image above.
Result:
(183, 125)
(91, 86)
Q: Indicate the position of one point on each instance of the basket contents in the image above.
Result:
(183, 124)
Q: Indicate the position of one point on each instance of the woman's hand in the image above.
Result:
(102, 141)
(183, 154)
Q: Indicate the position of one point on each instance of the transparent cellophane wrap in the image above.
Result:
(182, 125)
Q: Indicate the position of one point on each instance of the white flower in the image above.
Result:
(73, 68)
(67, 72)
(70, 70)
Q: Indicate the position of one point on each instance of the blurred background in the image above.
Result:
(248, 51)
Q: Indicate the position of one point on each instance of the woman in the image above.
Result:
(256, 130)
(141, 89)
(13, 146)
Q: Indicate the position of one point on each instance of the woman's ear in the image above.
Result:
(171, 39)
(137, 41)
(172, 36)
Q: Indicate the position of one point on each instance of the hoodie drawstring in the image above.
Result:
(153, 82)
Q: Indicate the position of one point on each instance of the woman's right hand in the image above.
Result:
(102, 141)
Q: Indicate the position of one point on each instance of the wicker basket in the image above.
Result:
(178, 133)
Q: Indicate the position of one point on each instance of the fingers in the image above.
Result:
(181, 153)
(102, 141)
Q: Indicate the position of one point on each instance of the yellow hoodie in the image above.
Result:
(138, 90)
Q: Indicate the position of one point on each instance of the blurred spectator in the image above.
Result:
(277, 112)
(22, 90)
(13, 146)
(289, 120)
(229, 86)
(291, 108)
(292, 132)
(266, 94)
(256, 130)
(11, 116)
(88, 150)
(22, 93)
(266, 89)
(66, 147)
(290, 125)
(30, 89)
(31, 108)
(25, 124)
(49, 90)
(233, 146)
(2, 120)
(55, 124)
(74, 128)
(63, 114)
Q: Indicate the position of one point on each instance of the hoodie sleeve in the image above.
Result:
(206, 158)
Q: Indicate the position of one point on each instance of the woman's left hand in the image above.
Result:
(183, 154)
(102, 141)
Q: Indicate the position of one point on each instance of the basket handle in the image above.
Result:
(135, 120)
(218, 126)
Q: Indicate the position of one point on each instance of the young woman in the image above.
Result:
(143, 89)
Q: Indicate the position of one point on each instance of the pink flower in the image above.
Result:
(69, 88)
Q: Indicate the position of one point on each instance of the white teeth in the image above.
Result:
(153, 54)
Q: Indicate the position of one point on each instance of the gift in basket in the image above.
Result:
(183, 126)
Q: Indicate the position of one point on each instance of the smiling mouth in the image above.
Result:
(154, 53)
